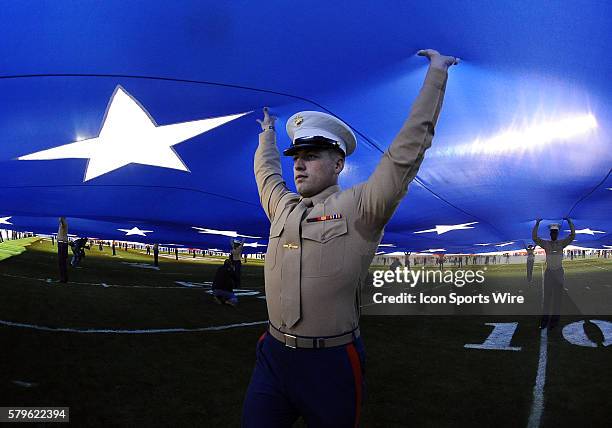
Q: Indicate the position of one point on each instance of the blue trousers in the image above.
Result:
(225, 295)
(324, 386)
(553, 293)
(530, 269)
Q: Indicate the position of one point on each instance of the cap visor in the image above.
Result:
(307, 146)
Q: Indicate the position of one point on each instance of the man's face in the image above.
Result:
(315, 170)
(554, 234)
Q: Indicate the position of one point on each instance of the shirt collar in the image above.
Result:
(321, 196)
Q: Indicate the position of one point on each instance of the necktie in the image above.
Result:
(291, 269)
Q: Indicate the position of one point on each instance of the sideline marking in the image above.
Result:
(184, 285)
(25, 384)
(594, 265)
(537, 406)
(194, 284)
(140, 331)
(141, 265)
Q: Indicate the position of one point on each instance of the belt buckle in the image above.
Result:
(289, 337)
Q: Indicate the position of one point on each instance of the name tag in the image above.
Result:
(324, 218)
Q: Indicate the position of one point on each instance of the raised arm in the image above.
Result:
(572, 234)
(534, 233)
(267, 165)
(388, 183)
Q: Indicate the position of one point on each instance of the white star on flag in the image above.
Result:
(130, 135)
(587, 231)
(435, 250)
(608, 246)
(254, 244)
(135, 231)
(483, 245)
(230, 233)
(504, 244)
(386, 245)
(4, 220)
(440, 229)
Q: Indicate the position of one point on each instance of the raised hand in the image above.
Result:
(268, 121)
(438, 60)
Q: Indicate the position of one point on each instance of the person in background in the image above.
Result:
(530, 260)
(156, 254)
(78, 251)
(407, 260)
(236, 256)
(554, 276)
(396, 264)
(62, 249)
(441, 261)
(223, 284)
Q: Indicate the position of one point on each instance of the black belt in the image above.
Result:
(295, 342)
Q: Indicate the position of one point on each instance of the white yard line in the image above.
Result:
(139, 331)
(49, 281)
(594, 265)
(537, 406)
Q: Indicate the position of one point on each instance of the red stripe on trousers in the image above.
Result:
(356, 365)
(262, 336)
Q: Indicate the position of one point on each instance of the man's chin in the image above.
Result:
(304, 191)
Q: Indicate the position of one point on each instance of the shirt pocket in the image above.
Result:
(276, 231)
(323, 245)
(273, 253)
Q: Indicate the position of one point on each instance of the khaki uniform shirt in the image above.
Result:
(553, 249)
(62, 232)
(336, 253)
(236, 252)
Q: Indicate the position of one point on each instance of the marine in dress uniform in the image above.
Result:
(236, 257)
(554, 276)
(156, 254)
(62, 249)
(530, 260)
(224, 283)
(310, 361)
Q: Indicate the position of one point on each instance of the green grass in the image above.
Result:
(418, 372)
(14, 248)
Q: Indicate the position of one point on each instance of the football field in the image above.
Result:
(126, 345)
